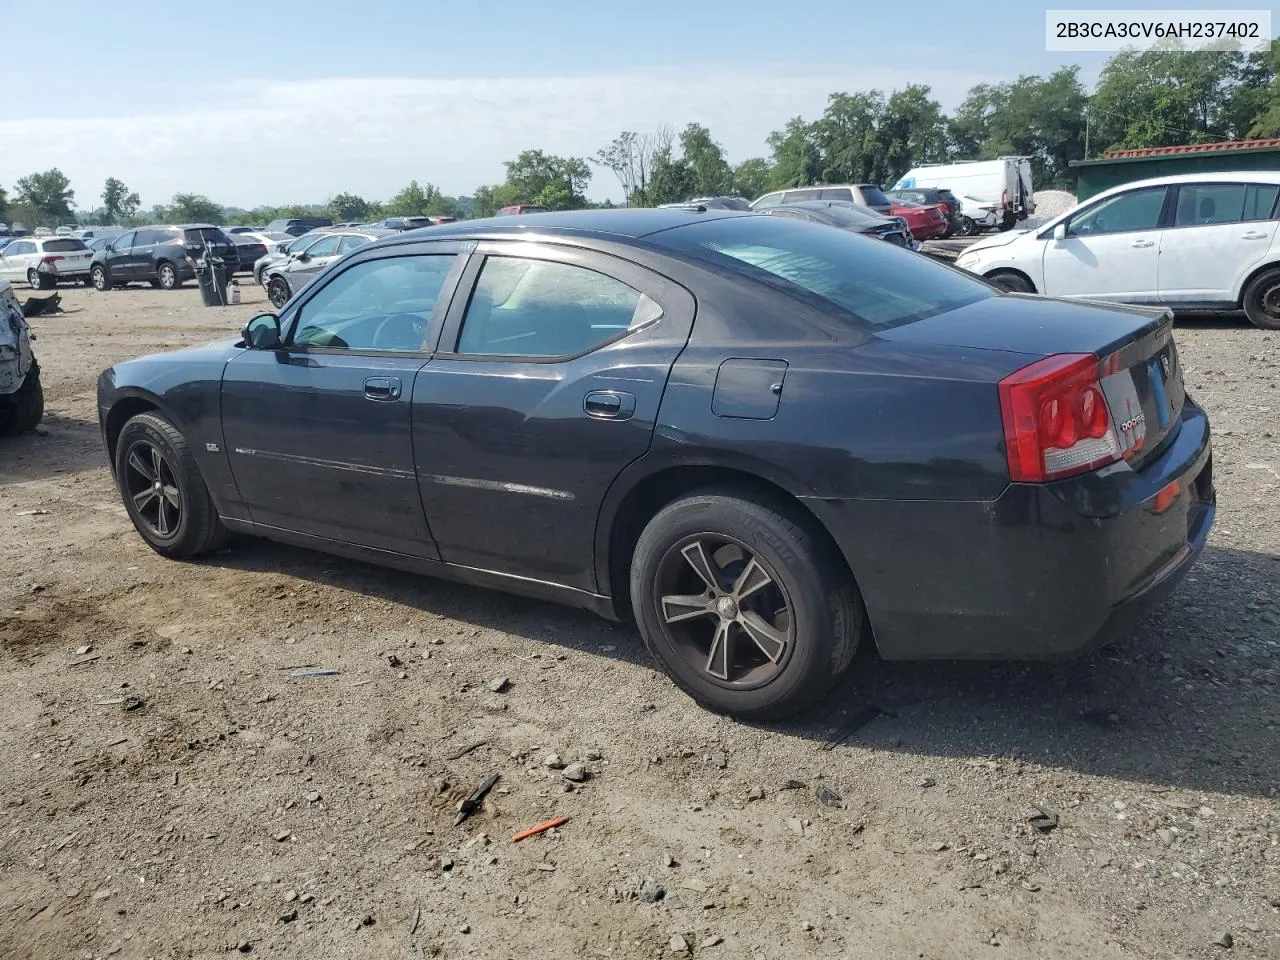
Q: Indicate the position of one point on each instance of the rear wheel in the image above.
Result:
(167, 276)
(24, 409)
(1261, 300)
(38, 280)
(742, 604)
(1008, 220)
(1013, 282)
(965, 227)
(162, 489)
(100, 278)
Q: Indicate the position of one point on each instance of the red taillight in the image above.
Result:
(1056, 421)
(52, 259)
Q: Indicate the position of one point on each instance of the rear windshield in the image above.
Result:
(874, 196)
(62, 245)
(211, 235)
(878, 284)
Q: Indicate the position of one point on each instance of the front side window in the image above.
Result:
(1123, 213)
(381, 305)
(768, 200)
(1209, 204)
(539, 308)
(325, 247)
(877, 284)
(124, 242)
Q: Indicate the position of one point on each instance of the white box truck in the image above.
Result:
(993, 193)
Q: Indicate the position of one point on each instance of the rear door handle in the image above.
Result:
(382, 388)
(609, 405)
(1143, 243)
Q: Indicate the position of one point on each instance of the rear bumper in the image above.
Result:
(1044, 571)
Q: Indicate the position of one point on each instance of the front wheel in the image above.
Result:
(1261, 300)
(1010, 281)
(38, 281)
(100, 279)
(163, 492)
(748, 611)
(278, 292)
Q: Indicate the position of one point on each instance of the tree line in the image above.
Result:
(1151, 98)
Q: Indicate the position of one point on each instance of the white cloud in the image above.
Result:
(274, 142)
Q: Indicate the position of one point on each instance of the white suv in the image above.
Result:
(1203, 241)
(43, 261)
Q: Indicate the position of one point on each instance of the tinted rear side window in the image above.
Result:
(877, 284)
(1260, 202)
(873, 196)
(62, 246)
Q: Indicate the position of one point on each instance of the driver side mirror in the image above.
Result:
(302, 257)
(262, 332)
(1060, 233)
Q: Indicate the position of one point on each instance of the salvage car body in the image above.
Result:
(494, 470)
(16, 357)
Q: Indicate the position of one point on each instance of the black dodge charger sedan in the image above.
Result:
(767, 441)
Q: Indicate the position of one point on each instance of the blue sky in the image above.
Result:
(301, 100)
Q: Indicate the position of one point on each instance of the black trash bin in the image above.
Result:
(212, 275)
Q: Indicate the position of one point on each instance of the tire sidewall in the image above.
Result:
(167, 270)
(143, 428)
(1252, 300)
(271, 288)
(809, 663)
(100, 271)
(1001, 278)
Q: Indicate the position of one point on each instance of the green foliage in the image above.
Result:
(192, 208)
(712, 176)
(796, 158)
(751, 178)
(420, 201)
(1038, 117)
(672, 180)
(630, 157)
(119, 204)
(346, 207)
(556, 182)
(4, 204)
(1163, 97)
(48, 196)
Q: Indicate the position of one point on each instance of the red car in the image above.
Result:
(926, 220)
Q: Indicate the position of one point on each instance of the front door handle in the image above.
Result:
(609, 405)
(1253, 235)
(382, 388)
(1143, 243)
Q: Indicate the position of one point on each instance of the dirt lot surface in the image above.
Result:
(241, 808)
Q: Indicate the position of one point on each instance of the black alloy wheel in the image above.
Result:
(151, 485)
(725, 610)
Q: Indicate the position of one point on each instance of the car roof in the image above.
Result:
(628, 223)
(1222, 176)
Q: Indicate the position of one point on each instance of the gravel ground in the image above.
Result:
(241, 807)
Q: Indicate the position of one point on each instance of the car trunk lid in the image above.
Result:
(1139, 368)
